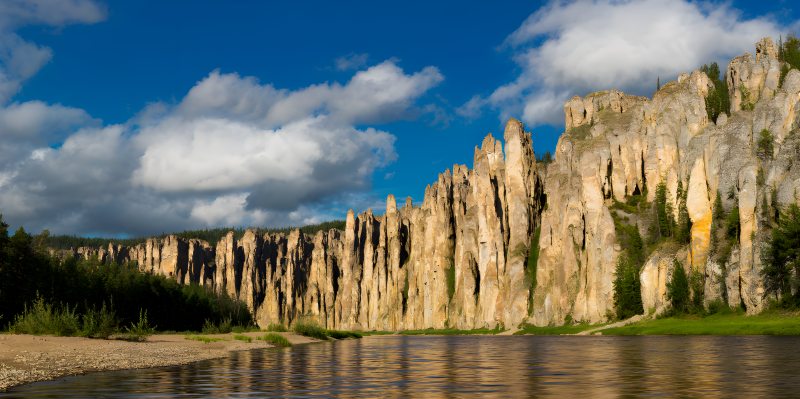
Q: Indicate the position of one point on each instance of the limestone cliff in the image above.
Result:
(461, 258)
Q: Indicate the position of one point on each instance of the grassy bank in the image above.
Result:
(453, 331)
(767, 323)
(529, 329)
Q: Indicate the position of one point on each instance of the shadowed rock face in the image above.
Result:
(460, 258)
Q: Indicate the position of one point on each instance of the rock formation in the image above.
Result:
(461, 258)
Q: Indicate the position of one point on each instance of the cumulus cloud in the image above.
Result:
(351, 61)
(571, 48)
(233, 151)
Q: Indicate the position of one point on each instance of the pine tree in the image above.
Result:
(765, 145)
(666, 218)
(627, 288)
(684, 225)
(717, 214)
(678, 289)
(658, 83)
(781, 256)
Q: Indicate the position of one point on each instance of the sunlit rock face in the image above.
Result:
(462, 256)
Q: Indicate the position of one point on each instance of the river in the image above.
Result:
(458, 366)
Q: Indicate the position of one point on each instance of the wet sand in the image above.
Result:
(27, 358)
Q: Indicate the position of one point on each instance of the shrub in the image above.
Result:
(42, 318)
(224, 326)
(310, 329)
(719, 307)
(141, 330)
(100, 324)
(276, 339)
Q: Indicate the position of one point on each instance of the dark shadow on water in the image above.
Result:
(457, 366)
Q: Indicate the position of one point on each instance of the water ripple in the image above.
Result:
(448, 366)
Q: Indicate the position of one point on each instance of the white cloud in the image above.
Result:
(578, 47)
(351, 61)
(15, 14)
(231, 152)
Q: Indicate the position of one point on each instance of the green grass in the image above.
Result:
(203, 339)
(580, 132)
(243, 338)
(276, 339)
(376, 332)
(768, 323)
(310, 329)
(453, 331)
(570, 329)
(336, 334)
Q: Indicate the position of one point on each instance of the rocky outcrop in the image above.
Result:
(462, 257)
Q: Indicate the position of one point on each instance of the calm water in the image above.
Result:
(468, 366)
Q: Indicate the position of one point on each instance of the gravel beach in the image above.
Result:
(26, 358)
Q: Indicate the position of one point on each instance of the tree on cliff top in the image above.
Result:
(718, 100)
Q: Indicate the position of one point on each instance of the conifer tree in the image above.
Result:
(678, 289)
(781, 256)
(765, 145)
(658, 83)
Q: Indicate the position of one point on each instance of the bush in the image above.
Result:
(719, 307)
(224, 327)
(141, 330)
(100, 324)
(276, 339)
(310, 329)
(43, 318)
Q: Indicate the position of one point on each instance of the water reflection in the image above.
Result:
(468, 366)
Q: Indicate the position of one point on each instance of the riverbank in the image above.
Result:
(767, 323)
(27, 358)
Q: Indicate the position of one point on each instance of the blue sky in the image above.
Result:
(133, 118)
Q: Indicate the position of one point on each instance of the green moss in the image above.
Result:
(579, 132)
(450, 275)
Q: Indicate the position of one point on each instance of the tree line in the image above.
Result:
(212, 236)
(28, 272)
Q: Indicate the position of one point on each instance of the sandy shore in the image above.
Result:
(27, 358)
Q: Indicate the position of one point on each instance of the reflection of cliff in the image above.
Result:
(460, 258)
